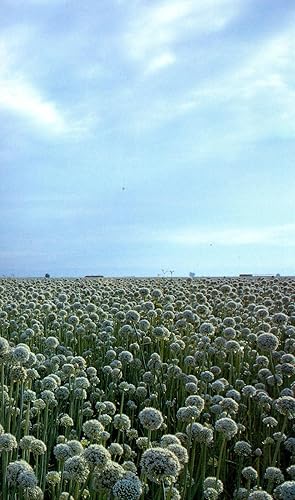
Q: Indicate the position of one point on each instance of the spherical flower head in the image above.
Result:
(227, 427)
(218, 386)
(108, 476)
(243, 449)
(53, 477)
(249, 473)
(142, 443)
(229, 405)
(285, 406)
(115, 449)
(180, 451)
(38, 447)
(249, 390)
(76, 469)
(34, 493)
(259, 495)
(151, 418)
(172, 493)
(66, 421)
(207, 376)
(14, 469)
(26, 442)
(213, 482)
(132, 433)
(167, 439)
(290, 445)
(285, 491)
(110, 407)
(233, 346)
(80, 393)
(29, 396)
(210, 494)
(188, 413)
(200, 433)
(105, 436)
(270, 421)
(18, 373)
(274, 475)
(156, 293)
(128, 488)
(132, 316)
(279, 318)
(62, 393)
(75, 446)
(229, 333)
(7, 442)
(21, 353)
(125, 357)
(206, 328)
(48, 397)
(51, 342)
(104, 419)
(68, 369)
(96, 455)
(161, 332)
(4, 347)
(189, 361)
(27, 479)
(267, 342)
(82, 383)
(196, 401)
(241, 494)
(92, 429)
(32, 374)
(122, 422)
(65, 496)
(62, 452)
(159, 463)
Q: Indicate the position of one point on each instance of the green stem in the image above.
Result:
(222, 449)
(279, 442)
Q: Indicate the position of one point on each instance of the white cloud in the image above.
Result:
(17, 94)
(21, 98)
(159, 62)
(253, 101)
(156, 29)
(273, 235)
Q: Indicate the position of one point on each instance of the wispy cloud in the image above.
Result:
(160, 61)
(272, 235)
(23, 99)
(254, 97)
(156, 29)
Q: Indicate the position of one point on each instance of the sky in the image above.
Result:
(139, 137)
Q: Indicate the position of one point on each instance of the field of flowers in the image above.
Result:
(147, 389)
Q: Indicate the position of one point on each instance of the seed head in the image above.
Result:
(159, 463)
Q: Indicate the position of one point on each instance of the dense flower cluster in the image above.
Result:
(149, 388)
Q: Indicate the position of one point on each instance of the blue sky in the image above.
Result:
(141, 135)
